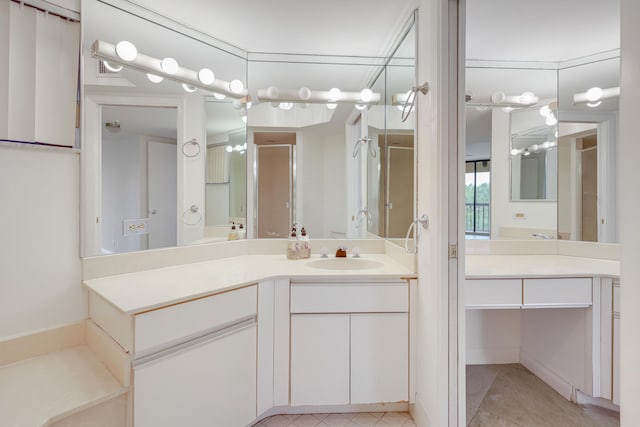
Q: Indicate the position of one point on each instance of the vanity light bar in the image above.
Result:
(317, 97)
(595, 95)
(148, 64)
(500, 99)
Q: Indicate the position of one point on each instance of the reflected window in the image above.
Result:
(477, 198)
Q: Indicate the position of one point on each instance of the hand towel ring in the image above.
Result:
(191, 142)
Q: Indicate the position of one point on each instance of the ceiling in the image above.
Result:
(327, 27)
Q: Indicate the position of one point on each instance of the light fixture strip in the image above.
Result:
(611, 92)
(509, 101)
(316, 97)
(148, 64)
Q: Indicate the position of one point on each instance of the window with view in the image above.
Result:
(477, 197)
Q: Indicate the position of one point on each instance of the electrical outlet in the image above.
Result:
(519, 215)
(132, 227)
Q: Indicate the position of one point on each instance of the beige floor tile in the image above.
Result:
(365, 419)
(306, 421)
(338, 420)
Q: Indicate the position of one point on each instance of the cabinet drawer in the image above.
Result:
(349, 297)
(164, 327)
(616, 297)
(570, 292)
(494, 293)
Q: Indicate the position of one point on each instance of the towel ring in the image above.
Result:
(191, 142)
(193, 210)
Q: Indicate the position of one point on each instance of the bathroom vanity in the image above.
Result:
(230, 341)
(551, 312)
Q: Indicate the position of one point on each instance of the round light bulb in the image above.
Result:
(112, 67)
(206, 76)
(126, 50)
(236, 86)
(304, 93)
(273, 92)
(169, 65)
(593, 104)
(594, 94)
(361, 106)
(535, 148)
(154, 78)
(189, 88)
(286, 106)
(366, 95)
(515, 151)
(526, 152)
(237, 147)
(498, 97)
(481, 108)
(219, 96)
(551, 120)
(334, 94)
(331, 105)
(507, 109)
(545, 111)
(237, 104)
(228, 148)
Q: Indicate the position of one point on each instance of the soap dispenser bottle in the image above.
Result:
(233, 234)
(242, 233)
(293, 246)
(305, 244)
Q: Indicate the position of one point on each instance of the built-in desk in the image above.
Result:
(551, 313)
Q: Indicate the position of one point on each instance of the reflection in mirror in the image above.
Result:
(225, 170)
(322, 167)
(588, 111)
(534, 158)
(504, 127)
(122, 210)
(391, 173)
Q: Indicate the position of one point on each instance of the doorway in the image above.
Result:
(275, 183)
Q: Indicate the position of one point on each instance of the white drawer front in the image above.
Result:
(494, 293)
(616, 297)
(570, 292)
(349, 297)
(161, 328)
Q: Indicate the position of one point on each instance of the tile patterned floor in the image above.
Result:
(363, 419)
(510, 395)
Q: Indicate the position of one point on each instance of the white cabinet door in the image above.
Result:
(379, 358)
(212, 383)
(319, 359)
(558, 292)
(494, 293)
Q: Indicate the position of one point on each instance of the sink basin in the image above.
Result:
(344, 264)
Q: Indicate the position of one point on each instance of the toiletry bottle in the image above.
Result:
(305, 244)
(293, 246)
(242, 233)
(233, 234)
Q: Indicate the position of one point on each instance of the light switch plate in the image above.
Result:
(131, 227)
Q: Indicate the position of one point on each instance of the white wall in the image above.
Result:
(492, 336)
(122, 172)
(432, 319)
(322, 182)
(629, 208)
(538, 215)
(39, 255)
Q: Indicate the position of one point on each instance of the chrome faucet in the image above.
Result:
(543, 236)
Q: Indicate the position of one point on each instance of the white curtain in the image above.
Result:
(39, 56)
(218, 160)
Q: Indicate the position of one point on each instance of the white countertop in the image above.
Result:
(136, 292)
(493, 266)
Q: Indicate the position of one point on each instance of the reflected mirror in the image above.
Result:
(542, 113)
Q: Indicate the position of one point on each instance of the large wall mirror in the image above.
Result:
(541, 123)
(164, 165)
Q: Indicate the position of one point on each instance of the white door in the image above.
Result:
(162, 194)
(205, 385)
(319, 359)
(379, 358)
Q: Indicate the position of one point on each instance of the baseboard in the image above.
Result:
(109, 352)
(585, 399)
(554, 380)
(42, 342)
(334, 409)
(493, 356)
(419, 415)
